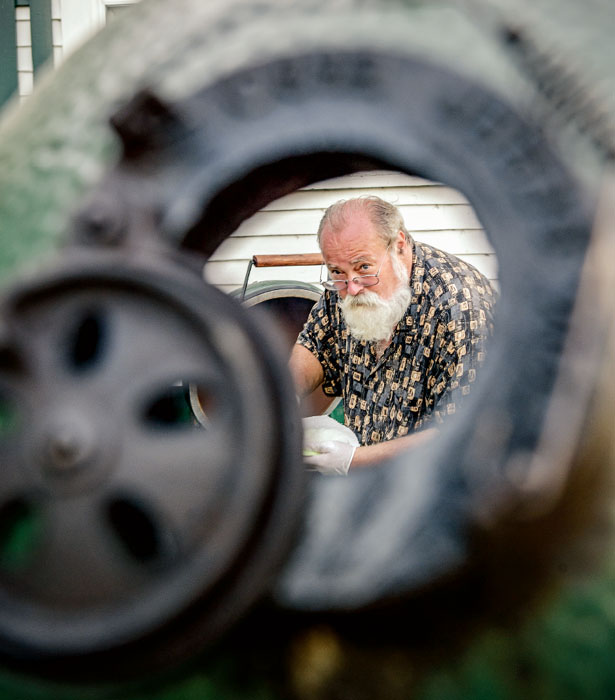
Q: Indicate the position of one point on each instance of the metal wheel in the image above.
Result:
(119, 515)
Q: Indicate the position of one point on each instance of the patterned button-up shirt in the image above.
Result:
(431, 362)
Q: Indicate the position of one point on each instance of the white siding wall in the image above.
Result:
(83, 18)
(25, 69)
(56, 30)
(433, 213)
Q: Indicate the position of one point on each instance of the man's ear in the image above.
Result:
(400, 244)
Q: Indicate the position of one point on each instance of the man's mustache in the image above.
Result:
(365, 299)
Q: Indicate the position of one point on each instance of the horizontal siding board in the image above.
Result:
(56, 33)
(24, 59)
(458, 242)
(23, 32)
(487, 264)
(314, 199)
(233, 273)
(420, 218)
(372, 178)
(234, 248)
(25, 81)
(245, 248)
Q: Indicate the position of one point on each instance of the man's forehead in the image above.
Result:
(352, 248)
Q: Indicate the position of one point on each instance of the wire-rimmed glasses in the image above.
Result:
(363, 280)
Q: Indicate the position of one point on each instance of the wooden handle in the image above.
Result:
(290, 260)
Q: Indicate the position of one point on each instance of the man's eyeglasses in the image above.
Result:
(363, 280)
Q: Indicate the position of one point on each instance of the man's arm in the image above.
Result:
(336, 457)
(369, 455)
(306, 370)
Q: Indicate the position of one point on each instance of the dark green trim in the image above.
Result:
(42, 42)
(8, 50)
(22, 3)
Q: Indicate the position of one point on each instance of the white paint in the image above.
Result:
(25, 83)
(24, 59)
(25, 68)
(80, 20)
(23, 34)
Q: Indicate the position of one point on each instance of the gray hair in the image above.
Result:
(385, 217)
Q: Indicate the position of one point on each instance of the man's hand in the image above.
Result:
(332, 457)
(328, 446)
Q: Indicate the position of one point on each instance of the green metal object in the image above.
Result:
(42, 42)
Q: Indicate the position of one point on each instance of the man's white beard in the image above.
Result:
(371, 318)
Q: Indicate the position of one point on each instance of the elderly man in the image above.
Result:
(399, 333)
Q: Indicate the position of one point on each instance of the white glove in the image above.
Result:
(328, 445)
(333, 457)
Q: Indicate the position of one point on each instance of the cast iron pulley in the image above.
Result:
(208, 162)
(130, 534)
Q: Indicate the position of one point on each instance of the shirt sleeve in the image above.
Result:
(322, 336)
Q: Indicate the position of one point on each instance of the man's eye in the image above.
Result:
(335, 273)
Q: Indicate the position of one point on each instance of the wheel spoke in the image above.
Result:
(180, 477)
(134, 346)
(102, 344)
(77, 561)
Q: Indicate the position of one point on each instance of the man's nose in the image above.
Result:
(354, 287)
